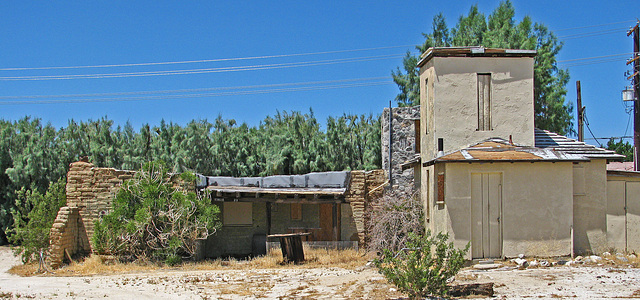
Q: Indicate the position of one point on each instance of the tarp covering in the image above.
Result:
(311, 180)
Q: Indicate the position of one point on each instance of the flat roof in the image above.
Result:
(472, 51)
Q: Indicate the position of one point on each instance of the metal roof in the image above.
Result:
(500, 150)
(549, 140)
(473, 51)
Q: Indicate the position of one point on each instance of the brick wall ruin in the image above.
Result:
(90, 191)
(365, 188)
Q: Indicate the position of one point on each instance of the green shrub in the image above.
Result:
(33, 217)
(425, 265)
(152, 217)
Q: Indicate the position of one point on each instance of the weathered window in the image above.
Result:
(426, 104)
(578, 180)
(296, 211)
(484, 102)
(237, 213)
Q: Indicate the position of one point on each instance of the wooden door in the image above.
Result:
(486, 215)
(327, 222)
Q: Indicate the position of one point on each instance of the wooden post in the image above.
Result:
(580, 113)
(636, 88)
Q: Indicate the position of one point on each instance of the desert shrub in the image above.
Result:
(33, 217)
(424, 267)
(153, 218)
(392, 218)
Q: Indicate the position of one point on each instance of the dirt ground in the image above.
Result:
(571, 282)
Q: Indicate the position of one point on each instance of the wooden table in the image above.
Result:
(291, 245)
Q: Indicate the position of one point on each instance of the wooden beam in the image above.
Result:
(633, 59)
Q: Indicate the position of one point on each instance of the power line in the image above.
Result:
(612, 137)
(201, 71)
(192, 90)
(279, 55)
(594, 62)
(590, 34)
(594, 57)
(591, 26)
(204, 60)
(215, 94)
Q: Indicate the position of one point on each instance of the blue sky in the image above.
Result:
(90, 33)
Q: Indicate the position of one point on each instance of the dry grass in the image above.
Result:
(97, 265)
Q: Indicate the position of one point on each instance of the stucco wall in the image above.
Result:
(536, 206)
(590, 207)
(623, 212)
(450, 110)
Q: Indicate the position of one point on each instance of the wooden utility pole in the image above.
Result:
(580, 113)
(636, 88)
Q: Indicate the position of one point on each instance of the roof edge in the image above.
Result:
(473, 51)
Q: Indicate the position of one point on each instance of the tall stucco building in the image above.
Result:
(487, 176)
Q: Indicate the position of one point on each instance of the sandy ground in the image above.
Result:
(316, 283)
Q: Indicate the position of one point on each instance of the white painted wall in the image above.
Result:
(537, 206)
(449, 103)
(590, 206)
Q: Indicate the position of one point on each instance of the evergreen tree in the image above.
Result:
(500, 30)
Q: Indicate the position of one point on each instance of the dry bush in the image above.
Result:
(393, 218)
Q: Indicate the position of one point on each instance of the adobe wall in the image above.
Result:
(364, 190)
(90, 191)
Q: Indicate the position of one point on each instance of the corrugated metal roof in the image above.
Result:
(548, 140)
(497, 149)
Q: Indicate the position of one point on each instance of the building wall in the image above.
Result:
(90, 191)
(623, 212)
(537, 208)
(403, 145)
(590, 207)
(238, 240)
(450, 107)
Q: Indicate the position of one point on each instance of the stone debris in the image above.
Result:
(486, 266)
(522, 263)
(595, 258)
(544, 263)
(622, 259)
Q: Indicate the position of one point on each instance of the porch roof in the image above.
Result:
(500, 150)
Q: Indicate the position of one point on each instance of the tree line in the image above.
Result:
(34, 154)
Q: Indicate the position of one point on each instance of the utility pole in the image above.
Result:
(636, 88)
(580, 113)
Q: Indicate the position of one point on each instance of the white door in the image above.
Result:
(486, 213)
